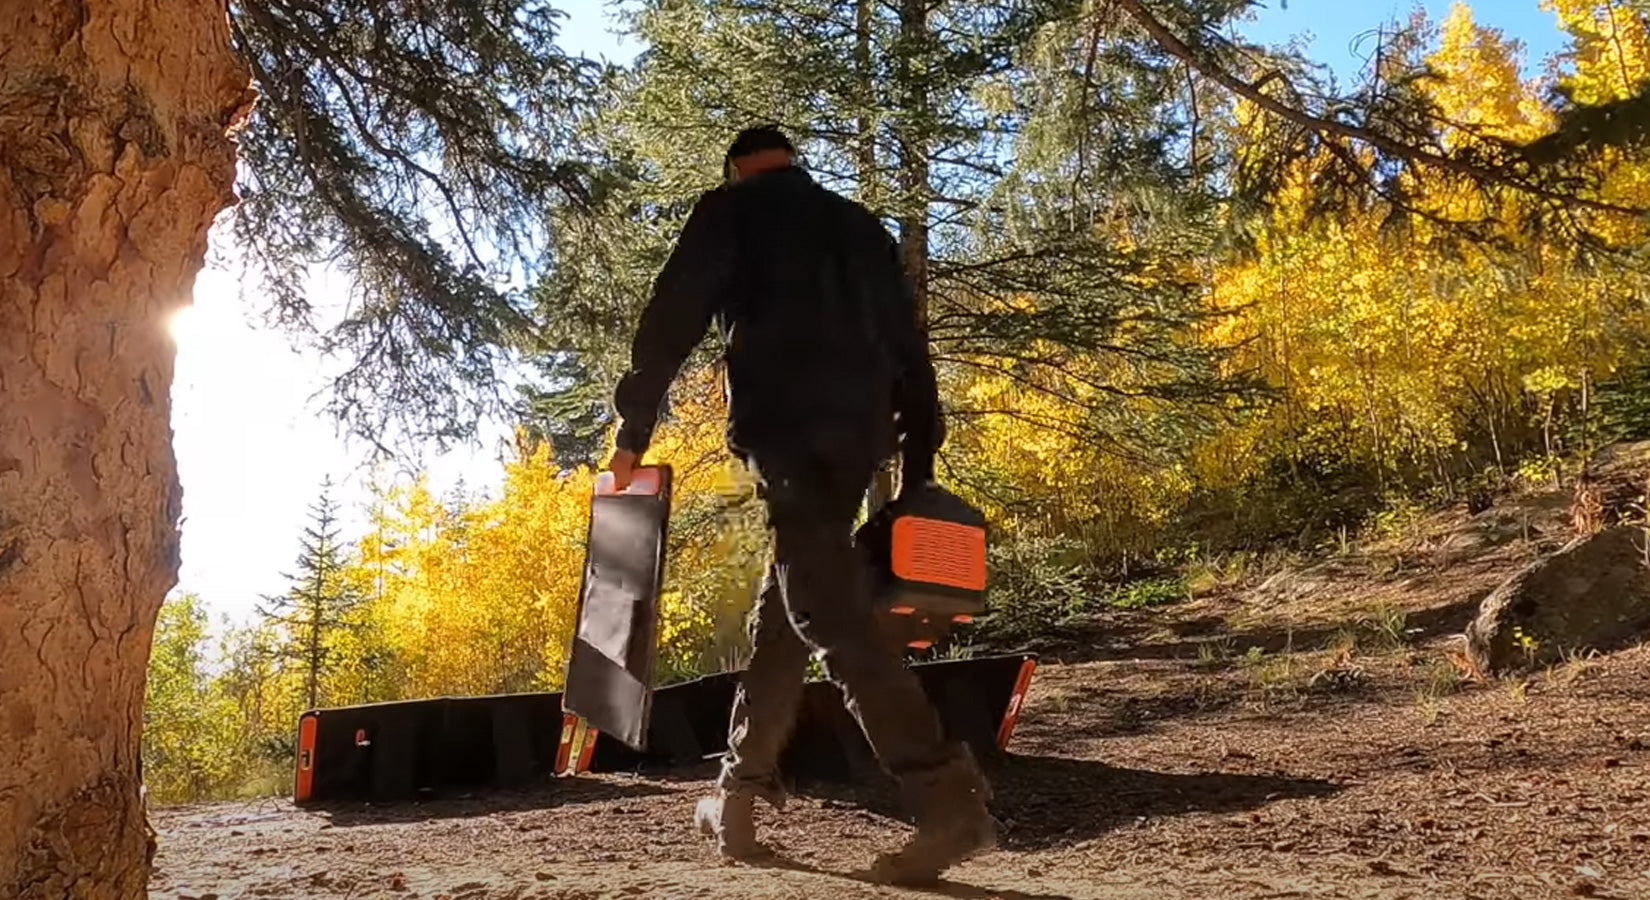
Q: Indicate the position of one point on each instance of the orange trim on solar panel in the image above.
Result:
(305, 784)
(565, 748)
(1016, 700)
(587, 750)
(932, 551)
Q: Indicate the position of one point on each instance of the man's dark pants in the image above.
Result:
(817, 597)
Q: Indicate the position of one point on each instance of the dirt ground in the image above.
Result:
(1302, 734)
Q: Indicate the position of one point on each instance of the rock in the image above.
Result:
(1593, 594)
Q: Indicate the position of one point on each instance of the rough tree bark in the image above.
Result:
(114, 161)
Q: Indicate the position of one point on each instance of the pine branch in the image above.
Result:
(1253, 93)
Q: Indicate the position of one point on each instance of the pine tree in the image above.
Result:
(320, 601)
(421, 149)
(956, 121)
(416, 148)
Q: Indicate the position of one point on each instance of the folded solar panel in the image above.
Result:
(610, 668)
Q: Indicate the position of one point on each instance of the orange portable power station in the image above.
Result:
(927, 549)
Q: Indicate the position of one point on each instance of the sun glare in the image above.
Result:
(180, 325)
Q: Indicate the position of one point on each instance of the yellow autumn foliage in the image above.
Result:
(478, 596)
(1395, 350)
(1386, 352)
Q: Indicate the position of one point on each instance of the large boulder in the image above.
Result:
(1592, 595)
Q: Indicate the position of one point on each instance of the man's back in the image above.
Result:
(822, 350)
(817, 317)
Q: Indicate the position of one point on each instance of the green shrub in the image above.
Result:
(1151, 593)
(1039, 584)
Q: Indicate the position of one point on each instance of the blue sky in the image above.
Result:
(1336, 27)
(253, 447)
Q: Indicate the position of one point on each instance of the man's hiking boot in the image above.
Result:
(953, 824)
(731, 820)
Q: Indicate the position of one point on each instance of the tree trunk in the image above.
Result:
(865, 150)
(870, 193)
(114, 161)
(312, 678)
(913, 147)
(912, 139)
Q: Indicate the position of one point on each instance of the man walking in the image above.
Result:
(827, 376)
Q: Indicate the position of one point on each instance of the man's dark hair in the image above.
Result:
(756, 140)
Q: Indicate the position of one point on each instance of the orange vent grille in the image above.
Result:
(931, 551)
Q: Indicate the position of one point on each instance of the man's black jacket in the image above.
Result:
(820, 332)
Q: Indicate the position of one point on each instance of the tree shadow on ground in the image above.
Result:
(1052, 800)
(1049, 801)
(483, 802)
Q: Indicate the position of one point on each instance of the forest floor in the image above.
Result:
(1303, 734)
